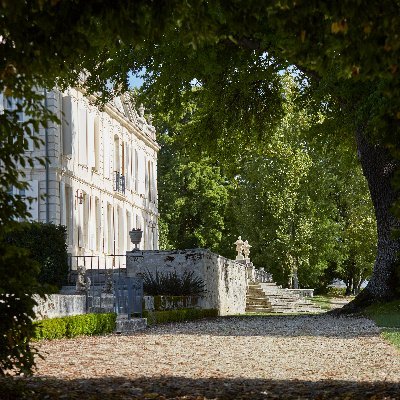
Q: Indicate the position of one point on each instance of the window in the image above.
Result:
(68, 124)
(107, 156)
(136, 158)
(117, 164)
(121, 230)
(98, 224)
(97, 143)
(91, 148)
(68, 214)
(12, 104)
(82, 135)
(110, 230)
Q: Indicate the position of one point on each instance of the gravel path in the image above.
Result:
(288, 357)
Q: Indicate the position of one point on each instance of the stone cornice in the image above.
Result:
(114, 113)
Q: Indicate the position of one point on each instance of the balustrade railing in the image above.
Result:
(262, 276)
(119, 182)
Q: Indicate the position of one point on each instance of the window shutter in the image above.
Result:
(33, 205)
(63, 204)
(90, 136)
(67, 125)
(107, 160)
(82, 133)
(91, 224)
(127, 167)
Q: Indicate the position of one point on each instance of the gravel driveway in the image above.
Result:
(286, 357)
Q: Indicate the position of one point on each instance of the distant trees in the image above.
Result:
(302, 203)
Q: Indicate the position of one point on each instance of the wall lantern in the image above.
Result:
(79, 196)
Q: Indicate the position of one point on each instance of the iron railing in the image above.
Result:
(96, 266)
(104, 282)
(119, 182)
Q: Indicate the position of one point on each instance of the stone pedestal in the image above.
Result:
(134, 263)
(125, 325)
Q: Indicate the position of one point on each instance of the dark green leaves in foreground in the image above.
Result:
(16, 310)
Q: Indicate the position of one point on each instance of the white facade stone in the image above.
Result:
(87, 154)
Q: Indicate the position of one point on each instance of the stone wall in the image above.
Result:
(59, 305)
(225, 279)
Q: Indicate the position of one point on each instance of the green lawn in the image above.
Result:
(387, 316)
(323, 301)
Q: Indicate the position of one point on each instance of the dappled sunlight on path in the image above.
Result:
(296, 354)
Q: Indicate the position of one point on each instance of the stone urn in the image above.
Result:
(136, 237)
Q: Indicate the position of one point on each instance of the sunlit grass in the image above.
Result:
(323, 301)
(387, 317)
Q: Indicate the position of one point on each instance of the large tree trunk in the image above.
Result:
(379, 167)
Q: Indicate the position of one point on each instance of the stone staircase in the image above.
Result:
(268, 297)
(256, 302)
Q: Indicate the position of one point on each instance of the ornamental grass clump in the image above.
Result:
(172, 284)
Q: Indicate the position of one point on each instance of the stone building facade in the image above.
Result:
(100, 180)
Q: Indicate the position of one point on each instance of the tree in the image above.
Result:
(193, 196)
(286, 196)
(16, 309)
(334, 46)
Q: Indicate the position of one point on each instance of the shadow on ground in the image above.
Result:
(185, 388)
(320, 325)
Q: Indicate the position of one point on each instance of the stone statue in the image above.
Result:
(239, 248)
(80, 279)
(246, 250)
(141, 110)
(83, 282)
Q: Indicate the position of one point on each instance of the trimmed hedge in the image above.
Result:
(183, 314)
(68, 327)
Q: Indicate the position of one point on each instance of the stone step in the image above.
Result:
(258, 305)
(258, 309)
(269, 297)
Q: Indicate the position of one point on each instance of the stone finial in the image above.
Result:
(246, 249)
(141, 110)
(239, 248)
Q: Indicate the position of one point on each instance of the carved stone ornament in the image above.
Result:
(239, 248)
(141, 110)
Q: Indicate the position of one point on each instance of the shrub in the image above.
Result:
(171, 284)
(87, 324)
(53, 328)
(47, 245)
(184, 314)
(18, 283)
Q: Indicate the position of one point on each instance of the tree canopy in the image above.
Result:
(346, 53)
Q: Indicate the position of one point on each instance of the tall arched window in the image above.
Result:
(69, 203)
(136, 171)
(149, 183)
(117, 157)
(121, 230)
(110, 230)
(86, 219)
(97, 143)
(98, 224)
